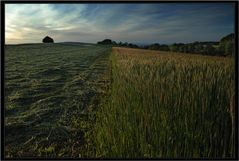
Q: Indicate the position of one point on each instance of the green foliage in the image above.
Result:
(157, 46)
(120, 44)
(174, 47)
(223, 48)
(229, 48)
(229, 37)
(227, 45)
(154, 47)
(106, 42)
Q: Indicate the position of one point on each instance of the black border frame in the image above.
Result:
(3, 2)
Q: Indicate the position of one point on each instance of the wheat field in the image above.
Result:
(167, 105)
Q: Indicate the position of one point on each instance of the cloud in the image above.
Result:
(30, 20)
(165, 23)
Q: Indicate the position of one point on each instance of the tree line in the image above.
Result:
(224, 47)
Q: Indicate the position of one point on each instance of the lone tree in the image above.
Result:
(105, 42)
(47, 39)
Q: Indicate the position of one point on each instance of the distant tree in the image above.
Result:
(224, 47)
(155, 46)
(120, 43)
(185, 48)
(174, 47)
(105, 42)
(227, 44)
(209, 50)
(191, 48)
(229, 48)
(130, 45)
(229, 37)
(181, 48)
(218, 51)
(125, 44)
(198, 48)
(47, 39)
(164, 48)
(114, 43)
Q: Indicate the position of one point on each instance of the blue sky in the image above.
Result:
(136, 23)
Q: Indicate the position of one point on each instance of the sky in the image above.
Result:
(163, 23)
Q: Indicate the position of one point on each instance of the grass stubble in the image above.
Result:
(51, 94)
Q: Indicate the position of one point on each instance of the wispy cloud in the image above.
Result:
(29, 21)
(165, 23)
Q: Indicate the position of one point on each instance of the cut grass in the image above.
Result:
(167, 105)
(51, 95)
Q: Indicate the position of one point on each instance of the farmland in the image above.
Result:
(168, 105)
(51, 93)
(64, 100)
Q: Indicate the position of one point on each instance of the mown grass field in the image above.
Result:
(65, 100)
(51, 94)
(168, 105)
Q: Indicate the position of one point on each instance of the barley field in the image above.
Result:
(167, 105)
